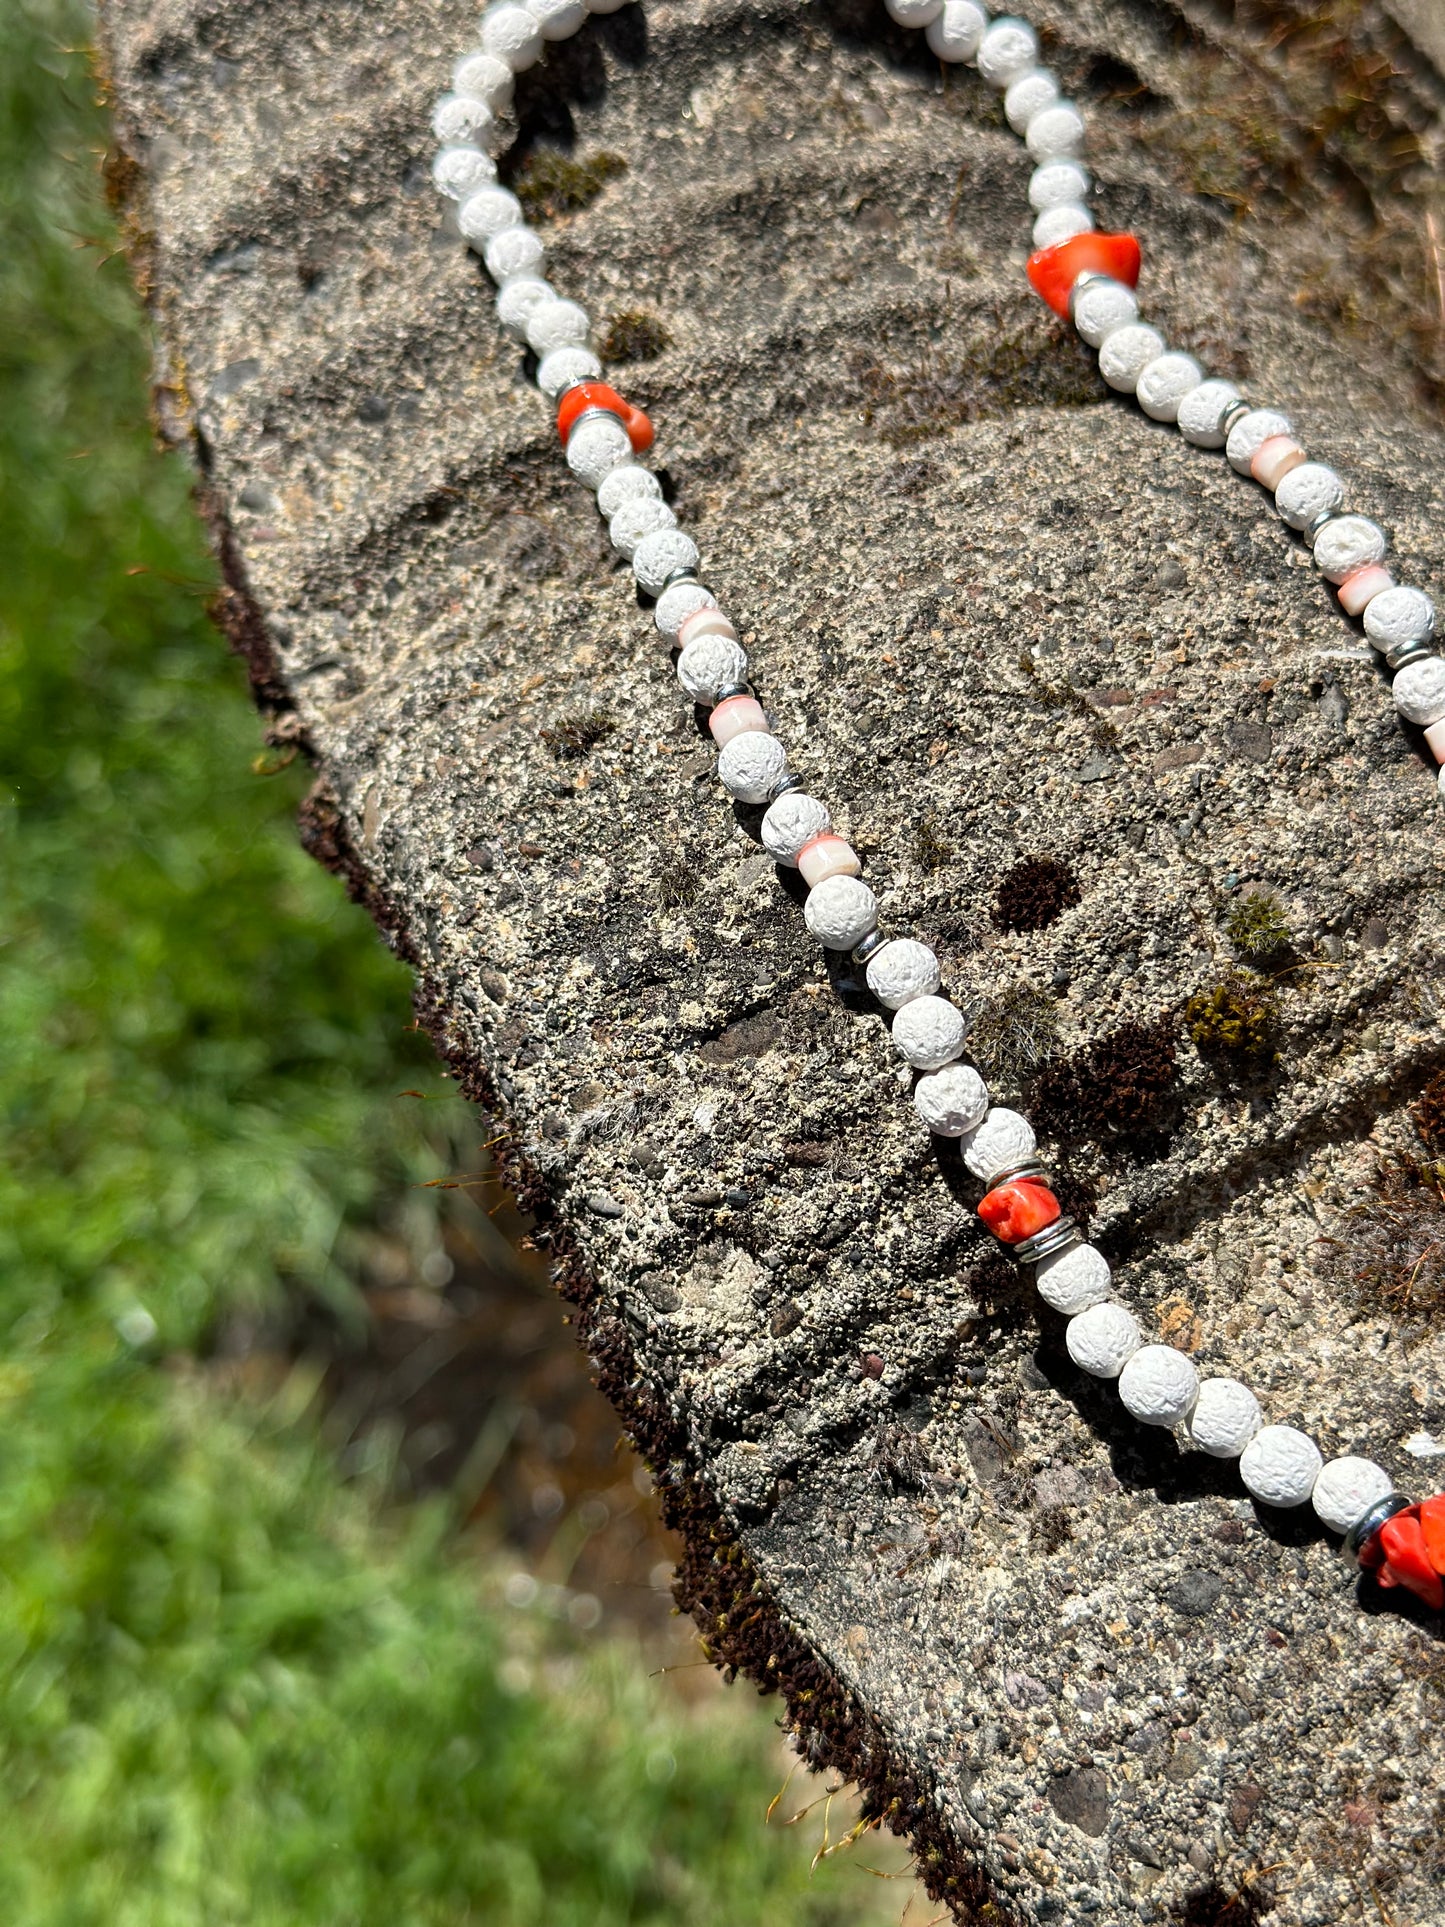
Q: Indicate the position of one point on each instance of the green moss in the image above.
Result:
(572, 736)
(1013, 1033)
(549, 183)
(1256, 925)
(634, 335)
(931, 850)
(1238, 1018)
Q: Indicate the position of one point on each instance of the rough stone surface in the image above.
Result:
(1060, 631)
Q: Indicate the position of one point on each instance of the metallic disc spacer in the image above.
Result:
(1058, 1236)
(1312, 529)
(1365, 1528)
(1236, 411)
(577, 381)
(869, 947)
(1025, 1168)
(1084, 280)
(594, 415)
(678, 575)
(792, 781)
(1404, 653)
(731, 689)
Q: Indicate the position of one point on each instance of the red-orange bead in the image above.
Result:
(597, 394)
(1053, 271)
(1432, 1525)
(1402, 1540)
(1017, 1210)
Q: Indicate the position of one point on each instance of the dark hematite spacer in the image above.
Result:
(1365, 1528)
(1416, 650)
(1312, 529)
(732, 689)
(1235, 412)
(792, 781)
(870, 946)
(1058, 1236)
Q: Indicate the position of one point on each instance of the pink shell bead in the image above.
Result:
(736, 717)
(1362, 587)
(1274, 459)
(705, 622)
(827, 856)
(1435, 737)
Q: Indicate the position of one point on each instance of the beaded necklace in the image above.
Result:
(1088, 278)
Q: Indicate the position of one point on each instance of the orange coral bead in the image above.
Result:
(1432, 1525)
(1016, 1211)
(597, 394)
(1053, 271)
(1402, 1540)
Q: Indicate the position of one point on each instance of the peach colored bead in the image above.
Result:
(1362, 587)
(827, 856)
(705, 622)
(1435, 737)
(736, 717)
(1274, 459)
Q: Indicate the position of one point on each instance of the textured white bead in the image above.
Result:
(951, 1101)
(751, 766)
(658, 556)
(518, 300)
(792, 821)
(558, 324)
(1225, 1418)
(1056, 132)
(914, 13)
(516, 250)
(1008, 49)
(1201, 413)
(1397, 616)
(1102, 1340)
(1005, 1137)
(1164, 382)
(630, 483)
(596, 447)
(1057, 184)
(566, 365)
(676, 604)
(1346, 1489)
(958, 31)
(1159, 1386)
(1258, 426)
(929, 1032)
(1027, 95)
(643, 515)
(1126, 352)
(1102, 306)
(710, 663)
(1073, 1280)
(840, 911)
(512, 34)
(900, 971)
(486, 213)
(1419, 691)
(484, 77)
(1308, 491)
(462, 118)
(1058, 224)
(1346, 544)
(558, 19)
(1279, 1466)
(460, 171)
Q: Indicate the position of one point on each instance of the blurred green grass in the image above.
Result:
(232, 1688)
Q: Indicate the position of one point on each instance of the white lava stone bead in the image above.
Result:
(1225, 1418)
(485, 78)
(1055, 133)
(511, 33)
(1258, 426)
(516, 250)
(958, 31)
(1201, 413)
(1073, 1280)
(1008, 49)
(1027, 96)
(519, 299)
(1058, 224)
(901, 971)
(660, 555)
(914, 13)
(558, 19)
(1396, 616)
(1102, 306)
(597, 446)
(928, 1032)
(1164, 382)
(1419, 691)
(1308, 491)
(1346, 1489)
(1005, 1137)
(558, 324)
(710, 663)
(1279, 1466)
(840, 911)
(951, 1101)
(1346, 544)
(1057, 184)
(564, 366)
(676, 604)
(1126, 352)
(792, 821)
(1102, 1340)
(460, 171)
(630, 483)
(751, 766)
(485, 214)
(1159, 1386)
(643, 515)
(462, 118)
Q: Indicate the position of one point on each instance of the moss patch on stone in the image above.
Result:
(549, 184)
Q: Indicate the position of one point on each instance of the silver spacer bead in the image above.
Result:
(1236, 411)
(871, 944)
(592, 415)
(1364, 1529)
(577, 381)
(1025, 1168)
(1404, 653)
(1058, 1236)
(731, 689)
(1312, 529)
(678, 575)
(792, 781)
